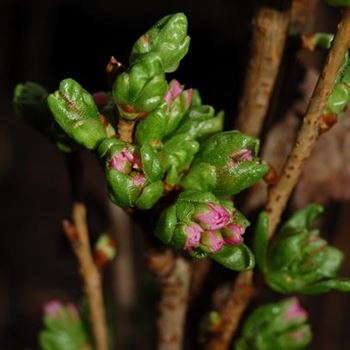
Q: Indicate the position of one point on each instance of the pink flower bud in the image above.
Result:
(193, 232)
(233, 234)
(215, 218)
(139, 180)
(212, 241)
(137, 163)
(188, 100)
(53, 308)
(244, 154)
(122, 161)
(295, 310)
(175, 90)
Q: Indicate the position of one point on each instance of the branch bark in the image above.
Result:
(310, 129)
(280, 192)
(242, 292)
(269, 35)
(174, 275)
(78, 234)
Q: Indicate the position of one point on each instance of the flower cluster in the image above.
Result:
(204, 225)
(298, 259)
(175, 142)
(226, 164)
(63, 328)
(278, 326)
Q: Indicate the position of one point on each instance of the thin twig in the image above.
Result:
(124, 278)
(269, 36)
(174, 274)
(310, 129)
(242, 292)
(77, 233)
(280, 192)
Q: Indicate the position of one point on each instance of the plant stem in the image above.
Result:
(310, 130)
(77, 233)
(269, 35)
(242, 292)
(174, 274)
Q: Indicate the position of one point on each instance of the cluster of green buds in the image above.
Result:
(226, 164)
(141, 89)
(205, 225)
(298, 259)
(278, 326)
(133, 174)
(176, 143)
(339, 98)
(64, 328)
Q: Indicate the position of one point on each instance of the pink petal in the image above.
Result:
(244, 154)
(53, 308)
(175, 90)
(137, 163)
(121, 160)
(295, 310)
(216, 241)
(233, 234)
(215, 218)
(189, 98)
(193, 232)
(139, 180)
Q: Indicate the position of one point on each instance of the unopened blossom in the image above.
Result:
(214, 217)
(193, 232)
(122, 161)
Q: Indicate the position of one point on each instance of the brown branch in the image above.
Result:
(77, 233)
(269, 36)
(174, 275)
(242, 292)
(124, 278)
(280, 192)
(302, 16)
(310, 129)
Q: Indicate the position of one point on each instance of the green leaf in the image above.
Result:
(121, 189)
(152, 166)
(303, 219)
(339, 284)
(152, 128)
(75, 111)
(202, 177)
(237, 258)
(168, 38)
(141, 89)
(150, 195)
(260, 243)
(166, 224)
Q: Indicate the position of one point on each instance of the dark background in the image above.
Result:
(48, 40)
